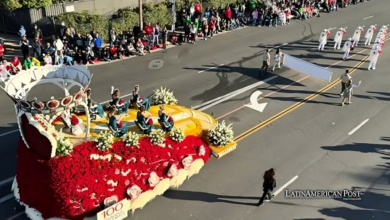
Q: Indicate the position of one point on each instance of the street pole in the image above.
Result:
(141, 23)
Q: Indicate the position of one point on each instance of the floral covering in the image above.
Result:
(164, 96)
(104, 140)
(157, 136)
(177, 134)
(131, 139)
(81, 181)
(221, 134)
(64, 146)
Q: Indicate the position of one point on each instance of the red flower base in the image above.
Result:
(75, 186)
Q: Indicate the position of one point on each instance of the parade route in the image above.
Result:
(303, 130)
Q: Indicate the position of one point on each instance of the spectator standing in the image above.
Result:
(269, 185)
(205, 27)
(37, 32)
(62, 30)
(156, 34)
(24, 46)
(192, 10)
(37, 51)
(112, 36)
(1, 52)
(255, 16)
(22, 31)
(228, 17)
(136, 32)
(198, 10)
(266, 62)
(97, 44)
(164, 36)
(211, 27)
(59, 45)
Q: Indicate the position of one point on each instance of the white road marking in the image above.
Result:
(367, 17)
(10, 132)
(210, 68)
(6, 198)
(281, 45)
(219, 100)
(285, 185)
(359, 126)
(254, 104)
(3, 182)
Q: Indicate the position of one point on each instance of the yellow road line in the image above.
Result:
(296, 105)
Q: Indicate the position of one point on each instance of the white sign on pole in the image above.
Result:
(118, 211)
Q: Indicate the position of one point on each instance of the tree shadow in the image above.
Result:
(361, 147)
(207, 197)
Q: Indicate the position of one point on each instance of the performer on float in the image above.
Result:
(94, 107)
(323, 39)
(338, 38)
(74, 123)
(348, 45)
(117, 102)
(370, 34)
(374, 57)
(356, 35)
(139, 100)
(165, 120)
(146, 123)
(116, 125)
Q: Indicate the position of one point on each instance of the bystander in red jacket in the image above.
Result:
(198, 8)
(1, 52)
(113, 50)
(228, 13)
(211, 24)
(148, 29)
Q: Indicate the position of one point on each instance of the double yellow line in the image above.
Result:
(297, 105)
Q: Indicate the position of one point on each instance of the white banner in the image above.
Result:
(302, 66)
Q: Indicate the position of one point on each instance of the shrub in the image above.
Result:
(157, 14)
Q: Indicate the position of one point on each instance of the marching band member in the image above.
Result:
(370, 34)
(117, 102)
(139, 100)
(347, 48)
(323, 39)
(94, 107)
(116, 126)
(384, 29)
(356, 35)
(338, 38)
(374, 57)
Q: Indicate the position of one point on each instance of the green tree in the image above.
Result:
(157, 14)
(15, 4)
(127, 19)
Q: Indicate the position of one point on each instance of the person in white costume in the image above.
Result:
(369, 34)
(347, 48)
(338, 38)
(356, 35)
(74, 123)
(323, 39)
(384, 29)
(278, 58)
(374, 54)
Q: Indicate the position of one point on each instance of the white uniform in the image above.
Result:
(278, 58)
(374, 54)
(338, 38)
(356, 35)
(347, 48)
(369, 34)
(323, 39)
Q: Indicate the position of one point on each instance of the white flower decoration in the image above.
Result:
(154, 179)
(201, 150)
(177, 134)
(134, 191)
(157, 136)
(221, 134)
(110, 201)
(164, 96)
(172, 172)
(187, 162)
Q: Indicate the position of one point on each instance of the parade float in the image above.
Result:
(79, 175)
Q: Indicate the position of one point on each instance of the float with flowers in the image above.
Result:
(72, 166)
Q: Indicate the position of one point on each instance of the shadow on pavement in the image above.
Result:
(207, 197)
(361, 147)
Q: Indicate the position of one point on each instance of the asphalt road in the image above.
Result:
(311, 142)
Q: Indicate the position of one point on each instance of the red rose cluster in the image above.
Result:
(74, 186)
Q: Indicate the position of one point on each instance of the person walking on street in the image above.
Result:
(344, 80)
(269, 185)
(266, 62)
(278, 58)
(347, 94)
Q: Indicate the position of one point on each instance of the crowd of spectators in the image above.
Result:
(72, 48)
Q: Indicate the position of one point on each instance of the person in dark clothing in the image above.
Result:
(269, 185)
(136, 32)
(37, 32)
(37, 48)
(24, 45)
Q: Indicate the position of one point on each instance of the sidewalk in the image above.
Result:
(13, 49)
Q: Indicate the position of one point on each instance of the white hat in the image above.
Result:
(349, 39)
